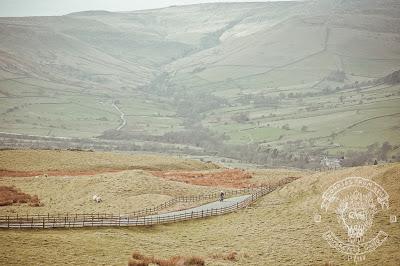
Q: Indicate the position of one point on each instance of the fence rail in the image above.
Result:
(93, 220)
(139, 213)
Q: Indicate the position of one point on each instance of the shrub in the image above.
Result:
(194, 261)
(137, 256)
(133, 262)
(231, 256)
(137, 259)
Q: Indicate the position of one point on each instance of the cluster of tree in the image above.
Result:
(338, 76)
(259, 99)
(191, 105)
(240, 117)
(392, 78)
(11, 109)
(374, 152)
(13, 142)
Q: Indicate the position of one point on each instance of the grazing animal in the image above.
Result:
(97, 199)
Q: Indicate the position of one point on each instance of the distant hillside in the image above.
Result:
(272, 83)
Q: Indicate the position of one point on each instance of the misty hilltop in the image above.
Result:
(271, 82)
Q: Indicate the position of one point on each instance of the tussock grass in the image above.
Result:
(137, 259)
(230, 256)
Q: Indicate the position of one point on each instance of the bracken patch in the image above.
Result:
(230, 178)
(12, 195)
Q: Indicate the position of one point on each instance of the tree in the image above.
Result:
(385, 148)
(240, 118)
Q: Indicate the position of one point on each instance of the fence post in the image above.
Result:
(43, 222)
(8, 221)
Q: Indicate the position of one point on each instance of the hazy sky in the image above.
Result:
(11, 8)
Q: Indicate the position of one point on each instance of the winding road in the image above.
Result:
(122, 117)
(210, 209)
(239, 199)
(227, 203)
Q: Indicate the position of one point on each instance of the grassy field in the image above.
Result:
(72, 161)
(278, 229)
(65, 181)
(161, 68)
(377, 107)
(123, 192)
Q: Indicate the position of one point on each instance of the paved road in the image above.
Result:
(206, 207)
(213, 208)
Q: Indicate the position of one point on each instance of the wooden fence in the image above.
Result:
(139, 213)
(92, 220)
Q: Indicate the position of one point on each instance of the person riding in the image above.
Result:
(222, 194)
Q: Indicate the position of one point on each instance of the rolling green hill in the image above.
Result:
(271, 83)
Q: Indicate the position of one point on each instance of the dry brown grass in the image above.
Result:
(229, 178)
(137, 259)
(230, 256)
(277, 230)
(56, 162)
(12, 195)
(66, 181)
(123, 192)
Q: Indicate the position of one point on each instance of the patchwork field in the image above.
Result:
(260, 74)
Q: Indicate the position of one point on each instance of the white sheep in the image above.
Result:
(97, 198)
